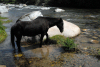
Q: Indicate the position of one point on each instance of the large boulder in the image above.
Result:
(3, 9)
(70, 30)
(30, 16)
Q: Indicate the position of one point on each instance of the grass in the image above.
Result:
(67, 43)
(3, 33)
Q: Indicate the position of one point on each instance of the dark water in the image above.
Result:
(49, 55)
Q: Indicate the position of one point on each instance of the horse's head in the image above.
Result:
(60, 25)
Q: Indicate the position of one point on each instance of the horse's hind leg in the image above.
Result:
(18, 42)
(41, 39)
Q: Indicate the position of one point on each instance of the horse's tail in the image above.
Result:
(12, 37)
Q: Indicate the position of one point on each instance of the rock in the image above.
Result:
(27, 7)
(11, 5)
(84, 30)
(95, 37)
(2, 65)
(95, 41)
(18, 6)
(70, 30)
(24, 5)
(30, 16)
(3, 9)
(59, 10)
(45, 8)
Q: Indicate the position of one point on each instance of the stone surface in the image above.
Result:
(2, 65)
(30, 16)
(70, 30)
(94, 41)
(59, 10)
(45, 8)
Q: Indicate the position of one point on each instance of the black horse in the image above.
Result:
(31, 28)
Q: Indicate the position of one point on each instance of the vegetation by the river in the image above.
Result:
(67, 43)
(59, 3)
(3, 33)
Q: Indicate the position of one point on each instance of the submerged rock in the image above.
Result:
(94, 41)
(59, 10)
(45, 8)
(2, 65)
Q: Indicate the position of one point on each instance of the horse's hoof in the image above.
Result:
(19, 50)
(40, 46)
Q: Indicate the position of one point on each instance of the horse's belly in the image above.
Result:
(32, 33)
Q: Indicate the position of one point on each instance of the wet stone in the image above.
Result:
(84, 41)
(84, 30)
(94, 41)
(95, 38)
(2, 65)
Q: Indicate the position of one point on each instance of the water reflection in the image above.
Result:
(20, 60)
(47, 56)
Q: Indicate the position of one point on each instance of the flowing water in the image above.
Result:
(51, 55)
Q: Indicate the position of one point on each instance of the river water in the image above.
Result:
(51, 55)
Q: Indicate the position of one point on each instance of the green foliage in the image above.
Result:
(67, 43)
(59, 38)
(3, 33)
(2, 18)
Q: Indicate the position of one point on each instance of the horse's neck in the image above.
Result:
(51, 24)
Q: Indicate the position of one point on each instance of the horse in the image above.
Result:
(40, 25)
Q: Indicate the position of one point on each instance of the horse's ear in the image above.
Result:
(60, 19)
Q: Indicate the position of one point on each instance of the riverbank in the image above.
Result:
(3, 33)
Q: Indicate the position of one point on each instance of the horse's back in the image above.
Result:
(34, 27)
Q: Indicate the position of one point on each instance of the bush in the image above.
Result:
(67, 43)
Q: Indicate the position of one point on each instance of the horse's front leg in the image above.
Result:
(41, 39)
(46, 38)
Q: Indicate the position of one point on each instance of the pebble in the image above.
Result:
(85, 48)
(18, 55)
(84, 30)
(95, 37)
(95, 41)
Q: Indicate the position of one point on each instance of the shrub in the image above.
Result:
(67, 43)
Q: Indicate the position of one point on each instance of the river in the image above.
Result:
(51, 55)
